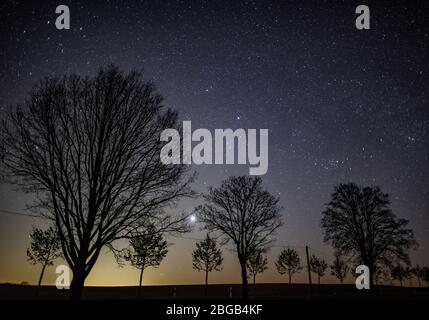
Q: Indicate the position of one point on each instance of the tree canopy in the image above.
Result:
(359, 223)
(288, 262)
(244, 213)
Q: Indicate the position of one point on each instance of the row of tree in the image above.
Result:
(88, 149)
(208, 257)
(149, 248)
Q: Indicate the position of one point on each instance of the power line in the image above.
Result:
(289, 246)
(19, 213)
(186, 238)
(325, 254)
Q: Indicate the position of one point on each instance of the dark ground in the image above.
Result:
(261, 291)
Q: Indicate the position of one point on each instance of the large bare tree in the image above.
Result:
(245, 214)
(288, 262)
(257, 263)
(339, 268)
(89, 150)
(358, 222)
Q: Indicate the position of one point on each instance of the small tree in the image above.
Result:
(339, 268)
(147, 249)
(397, 272)
(408, 275)
(425, 275)
(417, 272)
(257, 263)
(207, 257)
(44, 249)
(288, 262)
(318, 266)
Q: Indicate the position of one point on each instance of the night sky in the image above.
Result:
(340, 104)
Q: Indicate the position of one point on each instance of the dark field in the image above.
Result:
(219, 291)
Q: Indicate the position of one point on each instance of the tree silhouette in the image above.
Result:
(207, 257)
(397, 272)
(339, 268)
(288, 262)
(425, 275)
(257, 263)
(45, 247)
(89, 150)
(147, 249)
(358, 222)
(318, 266)
(245, 214)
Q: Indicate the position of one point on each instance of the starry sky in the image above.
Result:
(340, 104)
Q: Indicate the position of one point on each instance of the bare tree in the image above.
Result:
(288, 262)
(408, 275)
(318, 266)
(245, 214)
(147, 249)
(257, 263)
(89, 150)
(339, 268)
(381, 272)
(45, 247)
(359, 223)
(207, 257)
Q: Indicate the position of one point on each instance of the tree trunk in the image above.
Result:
(244, 286)
(318, 279)
(207, 283)
(140, 282)
(290, 279)
(77, 283)
(40, 279)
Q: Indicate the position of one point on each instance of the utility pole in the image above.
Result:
(309, 272)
